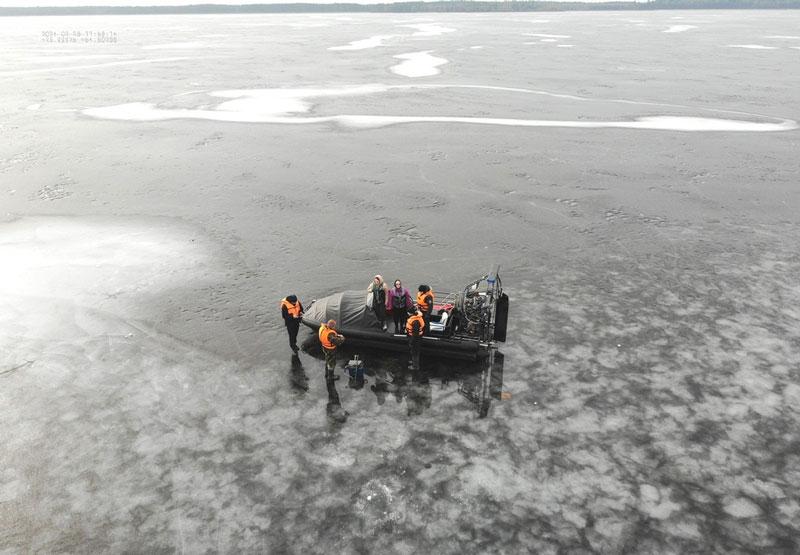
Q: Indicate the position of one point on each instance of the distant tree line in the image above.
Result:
(400, 7)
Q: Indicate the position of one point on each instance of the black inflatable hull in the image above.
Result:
(432, 346)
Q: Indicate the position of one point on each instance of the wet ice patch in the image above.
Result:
(363, 44)
(679, 28)
(418, 64)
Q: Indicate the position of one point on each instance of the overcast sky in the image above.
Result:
(31, 3)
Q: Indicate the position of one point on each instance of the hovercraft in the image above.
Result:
(464, 325)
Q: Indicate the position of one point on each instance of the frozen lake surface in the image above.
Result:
(636, 174)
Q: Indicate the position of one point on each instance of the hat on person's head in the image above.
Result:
(291, 298)
(331, 324)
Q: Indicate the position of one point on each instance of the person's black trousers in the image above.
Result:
(414, 348)
(293, 328)
(399, 315)
(330, 359)
(427, 319)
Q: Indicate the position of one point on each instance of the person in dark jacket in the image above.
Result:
(378, 289)
(415, 329)
(398, 301)
(292, 312)
(425, 303)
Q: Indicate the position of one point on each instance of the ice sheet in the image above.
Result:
(363, 44)
(429, 29)
(91, 66)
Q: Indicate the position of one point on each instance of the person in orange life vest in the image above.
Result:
(415, 329)
(425, 304)
(292, 312)
(330, 339)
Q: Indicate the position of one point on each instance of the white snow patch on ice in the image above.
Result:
(429, 29)
(277, 106)
(175, 45)
(795, 47)
(33, 106)
(753, 46)
(548, 40)
(679, 28)
(418, 64)
(308, 25)
(565, 45)
(92, 259)
(477, 47)
(783, 37)
(742, 508)
(544, 35)
(363, 44)
(655, 504)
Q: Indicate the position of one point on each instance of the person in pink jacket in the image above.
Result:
(398, 301)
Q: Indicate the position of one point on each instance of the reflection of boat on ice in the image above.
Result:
(464, 325)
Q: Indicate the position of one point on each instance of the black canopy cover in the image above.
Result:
(348, 308)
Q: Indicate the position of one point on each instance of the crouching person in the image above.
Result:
(415, 328)
(330, 339)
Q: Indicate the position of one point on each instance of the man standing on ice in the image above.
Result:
(292, 312)
(415, 329)
(329, 339)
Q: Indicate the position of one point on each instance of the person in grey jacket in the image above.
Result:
(378, 289)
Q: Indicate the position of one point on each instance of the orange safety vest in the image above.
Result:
(410, 324)
(293, 309)
(325, 337)
(423, 306)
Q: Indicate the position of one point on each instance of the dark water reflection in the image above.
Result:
(388, 377)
